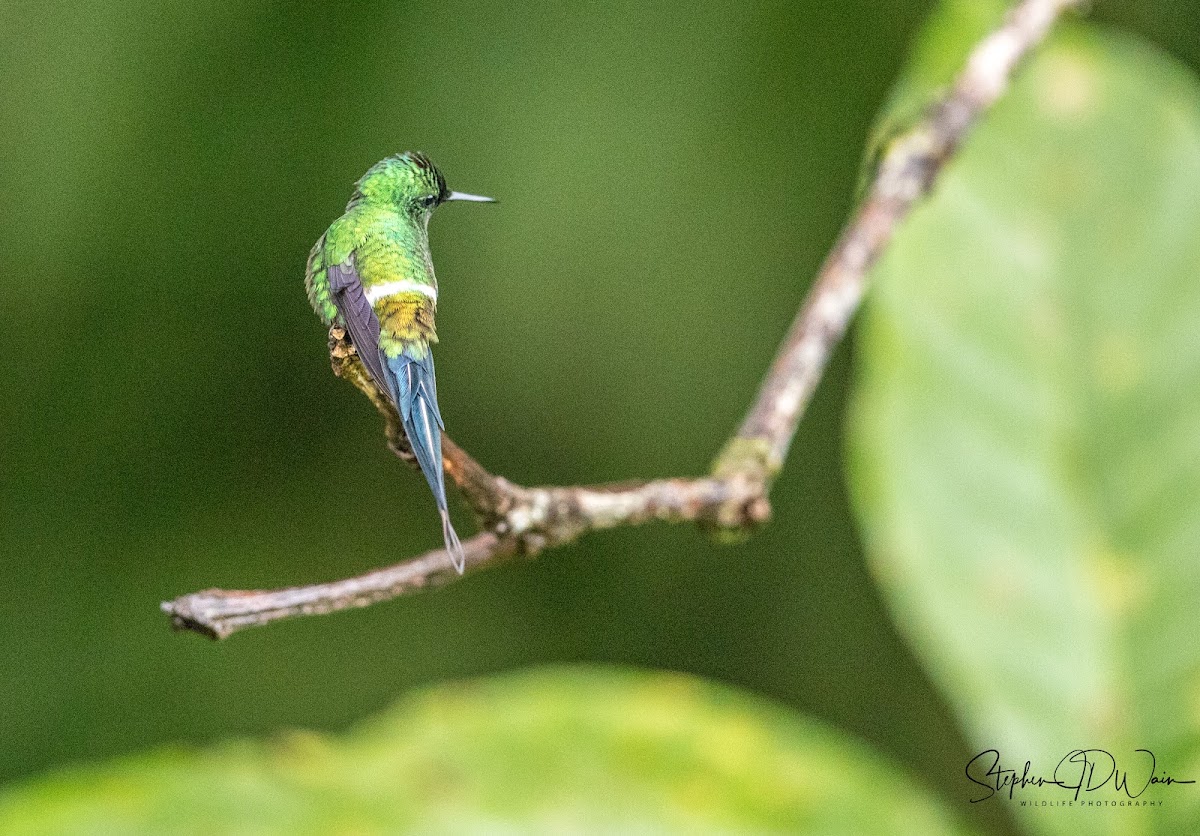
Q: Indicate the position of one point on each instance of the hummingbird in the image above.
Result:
(371, 273)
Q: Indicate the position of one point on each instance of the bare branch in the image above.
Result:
(517, 520)
(218, 613)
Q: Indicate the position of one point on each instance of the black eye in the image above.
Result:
(428, 201)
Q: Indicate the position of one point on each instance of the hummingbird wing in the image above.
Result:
(361, 322)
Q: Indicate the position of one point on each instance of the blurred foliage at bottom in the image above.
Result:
(556, 751)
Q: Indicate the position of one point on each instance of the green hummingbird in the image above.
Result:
(371, 273)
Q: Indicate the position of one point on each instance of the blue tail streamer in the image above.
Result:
(415, 393)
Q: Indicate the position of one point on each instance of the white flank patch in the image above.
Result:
(378, 291)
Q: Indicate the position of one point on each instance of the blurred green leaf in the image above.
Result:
(555, 750)
(1025, 445)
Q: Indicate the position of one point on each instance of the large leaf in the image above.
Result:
(563, 751)
(1026, 428)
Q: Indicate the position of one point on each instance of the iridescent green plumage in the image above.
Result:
(372, 273)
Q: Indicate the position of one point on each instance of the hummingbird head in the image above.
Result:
(409, 182)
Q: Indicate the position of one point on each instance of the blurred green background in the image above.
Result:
(669, 180)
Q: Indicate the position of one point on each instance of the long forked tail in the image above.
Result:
(416, 400)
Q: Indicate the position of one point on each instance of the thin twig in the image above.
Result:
(516, 520)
